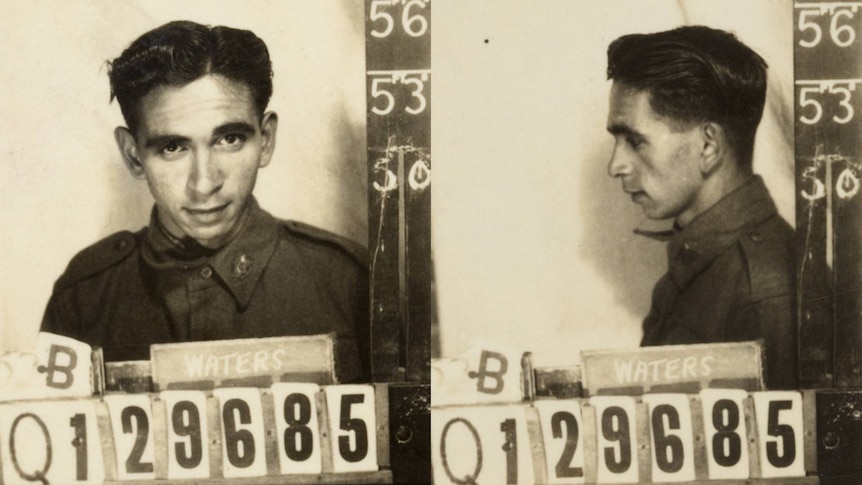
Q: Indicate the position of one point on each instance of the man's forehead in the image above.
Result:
(630, 109)
(625, 99)
(209, 100)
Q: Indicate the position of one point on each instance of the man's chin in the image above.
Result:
(216, 233)
(212, 237)
(655, 214)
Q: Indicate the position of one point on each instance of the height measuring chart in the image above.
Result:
(398, 94)
(828, 71)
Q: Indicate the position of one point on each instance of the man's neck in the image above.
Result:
(715, 187)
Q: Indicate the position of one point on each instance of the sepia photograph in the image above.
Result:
(644, 217)
(226, 260)
(187, 235)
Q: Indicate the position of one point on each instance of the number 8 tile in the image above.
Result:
(297, 428)
(725, 433)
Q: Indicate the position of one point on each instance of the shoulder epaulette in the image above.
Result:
(353, 249)
(769, 265)
(98, 257)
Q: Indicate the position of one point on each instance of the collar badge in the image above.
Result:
(242, 266)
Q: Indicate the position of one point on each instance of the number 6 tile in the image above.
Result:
(243, 446)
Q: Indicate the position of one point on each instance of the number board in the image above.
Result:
(398, 97)
(231, 433)
(717, 434)
(828, 71)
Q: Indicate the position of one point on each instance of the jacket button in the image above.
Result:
(755, 236)
(121, 244)
(206, 272)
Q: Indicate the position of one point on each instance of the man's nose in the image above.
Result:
(205, 177)
(620, 162)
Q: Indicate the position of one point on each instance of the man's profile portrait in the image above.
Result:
(211, 263)
(684, 109)
(534, 242)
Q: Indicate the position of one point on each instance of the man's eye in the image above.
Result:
(634, 141)
(232, 139)
(171, 148)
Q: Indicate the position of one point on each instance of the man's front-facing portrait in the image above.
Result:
(211, 264)
(684, 108)
(195, 240)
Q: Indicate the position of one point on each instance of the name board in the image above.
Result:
(314, 434)
(655, 438)
(57, 367)
(484, 374)
(676, 368)
(251, 362)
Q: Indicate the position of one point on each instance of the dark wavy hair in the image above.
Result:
(695, 74)
(180, 52)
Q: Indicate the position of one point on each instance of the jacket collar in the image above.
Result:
(238, 265)
(692, 248)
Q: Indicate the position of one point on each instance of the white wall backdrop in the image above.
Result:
(62, 182)
(533, 241)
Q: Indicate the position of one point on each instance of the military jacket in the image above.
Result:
(275, 278)
(731, 278)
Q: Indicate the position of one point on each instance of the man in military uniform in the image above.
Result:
(684, 109)
(211, 264)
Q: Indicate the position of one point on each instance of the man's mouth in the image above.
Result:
(206, 211)
(635, 194)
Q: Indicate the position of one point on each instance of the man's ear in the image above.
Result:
(129, 151)
(714, 147)
(268, 128)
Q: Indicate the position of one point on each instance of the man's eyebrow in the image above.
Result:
(622, 129)
(240, 127)
(159, 141)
